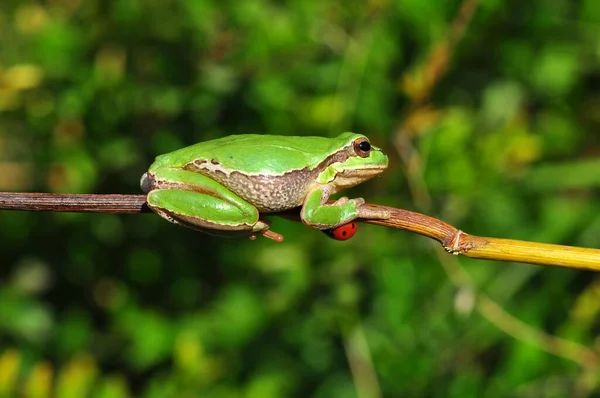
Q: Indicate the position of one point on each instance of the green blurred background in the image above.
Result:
(489, 110)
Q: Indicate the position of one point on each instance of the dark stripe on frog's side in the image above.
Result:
(270, 193)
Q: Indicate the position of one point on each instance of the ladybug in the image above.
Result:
(342, 232)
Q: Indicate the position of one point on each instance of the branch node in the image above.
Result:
(462, 243)
(453, 246)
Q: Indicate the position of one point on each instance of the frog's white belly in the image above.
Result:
(267, 193)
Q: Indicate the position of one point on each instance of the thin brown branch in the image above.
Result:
(458, 242)
(454, 240)
(82, 203)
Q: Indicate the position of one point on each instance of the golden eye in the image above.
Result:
(362, 147)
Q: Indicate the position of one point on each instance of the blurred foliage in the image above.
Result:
(491, 124)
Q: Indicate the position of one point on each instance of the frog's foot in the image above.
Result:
(262, 227)
(344, 199)
(370, 213)
(364, 212)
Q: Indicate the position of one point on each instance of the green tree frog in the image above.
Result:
(225, 186)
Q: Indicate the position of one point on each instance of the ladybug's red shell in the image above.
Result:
(342, 232)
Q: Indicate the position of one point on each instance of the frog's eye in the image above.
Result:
(362, 147)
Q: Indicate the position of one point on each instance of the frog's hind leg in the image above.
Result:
(199, 202)
(204, 212)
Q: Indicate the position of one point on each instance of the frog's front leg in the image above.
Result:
(199, 202)
(318, 214)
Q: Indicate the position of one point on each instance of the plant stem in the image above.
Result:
(458, 242)
(452, 239)
(83, 203)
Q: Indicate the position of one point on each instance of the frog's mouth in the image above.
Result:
(351, 177)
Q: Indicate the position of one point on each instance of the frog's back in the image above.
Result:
(254, 154)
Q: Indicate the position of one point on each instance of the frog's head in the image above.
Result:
(354, 161)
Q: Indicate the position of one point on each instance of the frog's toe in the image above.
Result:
(341, 201)
(358, 201)
(261, 225)
(267, 233)
(373, 214)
